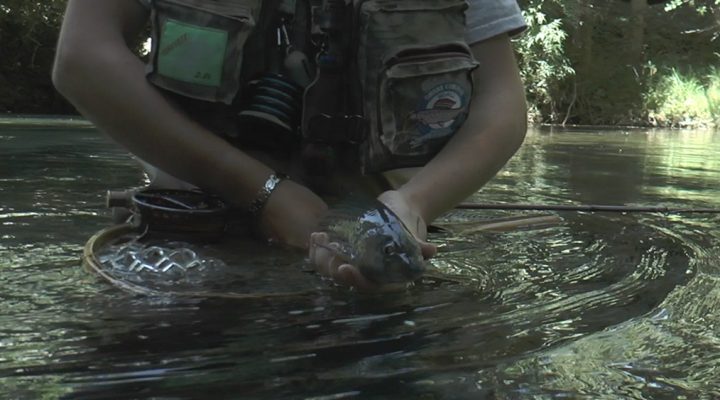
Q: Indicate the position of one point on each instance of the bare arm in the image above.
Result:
(98, 73)
(494, 130)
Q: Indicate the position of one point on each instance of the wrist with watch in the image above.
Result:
(263, 195)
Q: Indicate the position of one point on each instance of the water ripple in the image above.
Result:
(594, 306)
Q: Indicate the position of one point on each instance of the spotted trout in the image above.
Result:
(376, 241)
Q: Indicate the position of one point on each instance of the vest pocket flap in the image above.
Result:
(237, 9)
(437, 64)
(412, 5)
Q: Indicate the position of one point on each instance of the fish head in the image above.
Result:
(388, 253)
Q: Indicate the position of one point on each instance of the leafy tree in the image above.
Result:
(543, 62)
(595, 61)
(28, 34)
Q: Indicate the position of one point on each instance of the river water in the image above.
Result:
(596, 305)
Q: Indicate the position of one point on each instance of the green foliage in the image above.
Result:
(686, 99)
(712, 95)
(701, 6)
(596, 61)
(28, 33)
(542, 59)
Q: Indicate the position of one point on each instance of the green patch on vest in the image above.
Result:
(191, 53)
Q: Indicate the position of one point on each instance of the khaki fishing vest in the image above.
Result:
(391, 78)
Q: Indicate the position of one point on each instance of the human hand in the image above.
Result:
(325, 257)
(395, 201)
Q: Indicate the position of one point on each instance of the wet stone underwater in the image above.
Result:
(596, 305)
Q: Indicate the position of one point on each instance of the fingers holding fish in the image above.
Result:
(410, 218)
(323, 254)
(428, 250)
(349, 275)
(364, 244)
(325, 257)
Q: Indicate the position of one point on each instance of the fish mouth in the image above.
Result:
(405, 273)
(395, 273)
(416, 271)
(414, 266)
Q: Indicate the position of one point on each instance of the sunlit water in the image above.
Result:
(596, 306)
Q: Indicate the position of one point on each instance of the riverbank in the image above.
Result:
(77, 121)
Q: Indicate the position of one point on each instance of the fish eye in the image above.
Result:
(389, 249)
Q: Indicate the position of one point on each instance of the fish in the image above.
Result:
(375, 240)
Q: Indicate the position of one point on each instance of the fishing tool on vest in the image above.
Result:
(274, 108)
(326, 124)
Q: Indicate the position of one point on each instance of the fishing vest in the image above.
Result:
(390, 79)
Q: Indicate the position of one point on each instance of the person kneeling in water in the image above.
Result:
(236, 92)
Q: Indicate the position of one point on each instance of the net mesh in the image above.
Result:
(167, 262)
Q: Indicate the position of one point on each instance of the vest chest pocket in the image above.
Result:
(415, 74)
(198, 47)
(422, 101)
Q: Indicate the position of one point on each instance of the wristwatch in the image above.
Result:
(264, 193)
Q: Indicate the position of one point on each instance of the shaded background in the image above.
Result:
(598, 62)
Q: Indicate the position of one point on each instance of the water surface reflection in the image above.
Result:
(613, 305)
